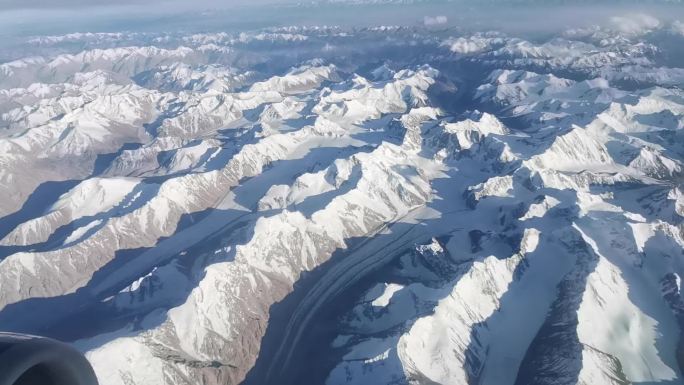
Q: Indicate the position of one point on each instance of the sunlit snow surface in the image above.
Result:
(376, 205)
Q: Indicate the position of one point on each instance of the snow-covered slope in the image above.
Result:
(306, 205)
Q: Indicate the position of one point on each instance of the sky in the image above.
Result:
(46, 5)
(61, 5)
(45, 17)
(64, 4)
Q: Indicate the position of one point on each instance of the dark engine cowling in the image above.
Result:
(31, 360)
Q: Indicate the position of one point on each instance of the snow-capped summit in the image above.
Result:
(332, 205)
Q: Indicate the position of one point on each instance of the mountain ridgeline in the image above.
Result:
(327, 205)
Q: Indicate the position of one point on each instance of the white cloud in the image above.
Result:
(677, 28)
(635, 24)
(435, 20)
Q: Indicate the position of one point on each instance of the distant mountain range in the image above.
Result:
(347, 206)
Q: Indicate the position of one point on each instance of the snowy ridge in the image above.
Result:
(256, 208)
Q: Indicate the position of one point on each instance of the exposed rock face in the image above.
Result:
(211, 213)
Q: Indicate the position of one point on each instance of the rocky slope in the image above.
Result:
(319, 205)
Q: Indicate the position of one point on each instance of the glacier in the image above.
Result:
(338, 205)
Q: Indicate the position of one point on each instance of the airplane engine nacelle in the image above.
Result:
(31, 360)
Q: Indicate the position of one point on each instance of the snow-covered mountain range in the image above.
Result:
(323, 205)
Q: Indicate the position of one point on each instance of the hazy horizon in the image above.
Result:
(33, 18)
